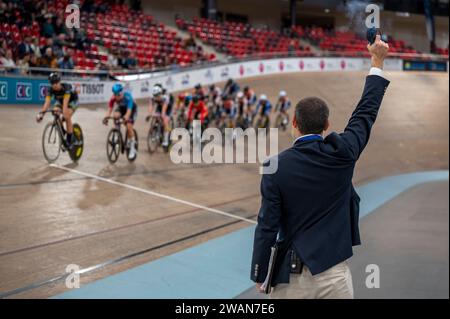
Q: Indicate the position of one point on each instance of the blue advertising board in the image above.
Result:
(17, 90)
(411, 65)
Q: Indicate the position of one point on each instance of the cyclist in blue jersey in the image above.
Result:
(126, 108)
(262, 112)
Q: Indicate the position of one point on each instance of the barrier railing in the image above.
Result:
(142, 74)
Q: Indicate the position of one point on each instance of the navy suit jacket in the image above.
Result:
(312, 191)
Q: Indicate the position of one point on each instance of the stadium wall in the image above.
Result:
(21, 90)
(410, 29)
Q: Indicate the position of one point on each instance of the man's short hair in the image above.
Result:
(311, 114)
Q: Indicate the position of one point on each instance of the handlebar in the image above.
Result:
(118, 121)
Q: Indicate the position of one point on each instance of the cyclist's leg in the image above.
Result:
(130, 125)
(67, 113)
(166, 120)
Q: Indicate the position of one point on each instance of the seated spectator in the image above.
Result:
(7, 61)
(58, 45)
(35, 47)
(34, 61)
(24, 65)
(48, 30)
(60, 28)
(66, 62)
(48, 44)
(48, 60)
(112, 60)
(24, 47)
(130, 61)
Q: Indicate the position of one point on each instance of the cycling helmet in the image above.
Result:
(240, 95)
(212, 87)
(198, 86)
(157, 90)
(195, 99)
(54, 78)
(283, 94)
(117, 88)
(246, 88)
(229, 82)
(263, 97)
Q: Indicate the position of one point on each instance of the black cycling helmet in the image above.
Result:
(198, 86)
(246, 88)
(195, 99)
(212, 87)
(230, 81)
(54, 78)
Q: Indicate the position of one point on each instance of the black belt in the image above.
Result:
(296, 265)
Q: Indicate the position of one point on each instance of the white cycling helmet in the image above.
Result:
(240, 95)
(263, 97)
(283, 94)
(157, 90)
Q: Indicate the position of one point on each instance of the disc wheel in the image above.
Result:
(77, 150)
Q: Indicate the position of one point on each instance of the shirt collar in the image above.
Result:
(308, 137)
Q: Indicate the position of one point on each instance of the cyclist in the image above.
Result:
(228, 110)
(283, 103)
(215, 94)
(250, 96)
(242, 119)
(183, 101)
(66, 101)
(263, 109)
(163, 106)
(126, 109)
(231, 88)
(198, 110)
(200, 92)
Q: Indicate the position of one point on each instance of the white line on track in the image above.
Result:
(141, 190)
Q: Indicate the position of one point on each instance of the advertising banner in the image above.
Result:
(32, 91)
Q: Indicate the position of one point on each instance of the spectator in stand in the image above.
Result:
(190, 43)
(34, 61)
(24, 65)
(60, 28)
(48, 60)
(35, 47)
(113, 61)
(3, 48)
(58, 45)
(131, 62)
(24, 47)
(48, 44)
(48, 30)
(7, 61)
(66, 62)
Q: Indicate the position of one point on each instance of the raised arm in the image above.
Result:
(357, 132)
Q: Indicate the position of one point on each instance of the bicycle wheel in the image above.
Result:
(279, 121)
(113, 145)
(153, 138)
(77, 150)
(136, 145)
(51, 142)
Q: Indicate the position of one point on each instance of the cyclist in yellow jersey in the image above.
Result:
(65, 100)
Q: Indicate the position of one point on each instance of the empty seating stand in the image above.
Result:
(241, 40)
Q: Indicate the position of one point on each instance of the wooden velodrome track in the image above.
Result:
(50, 218)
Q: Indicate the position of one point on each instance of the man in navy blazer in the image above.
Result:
(311, 199)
